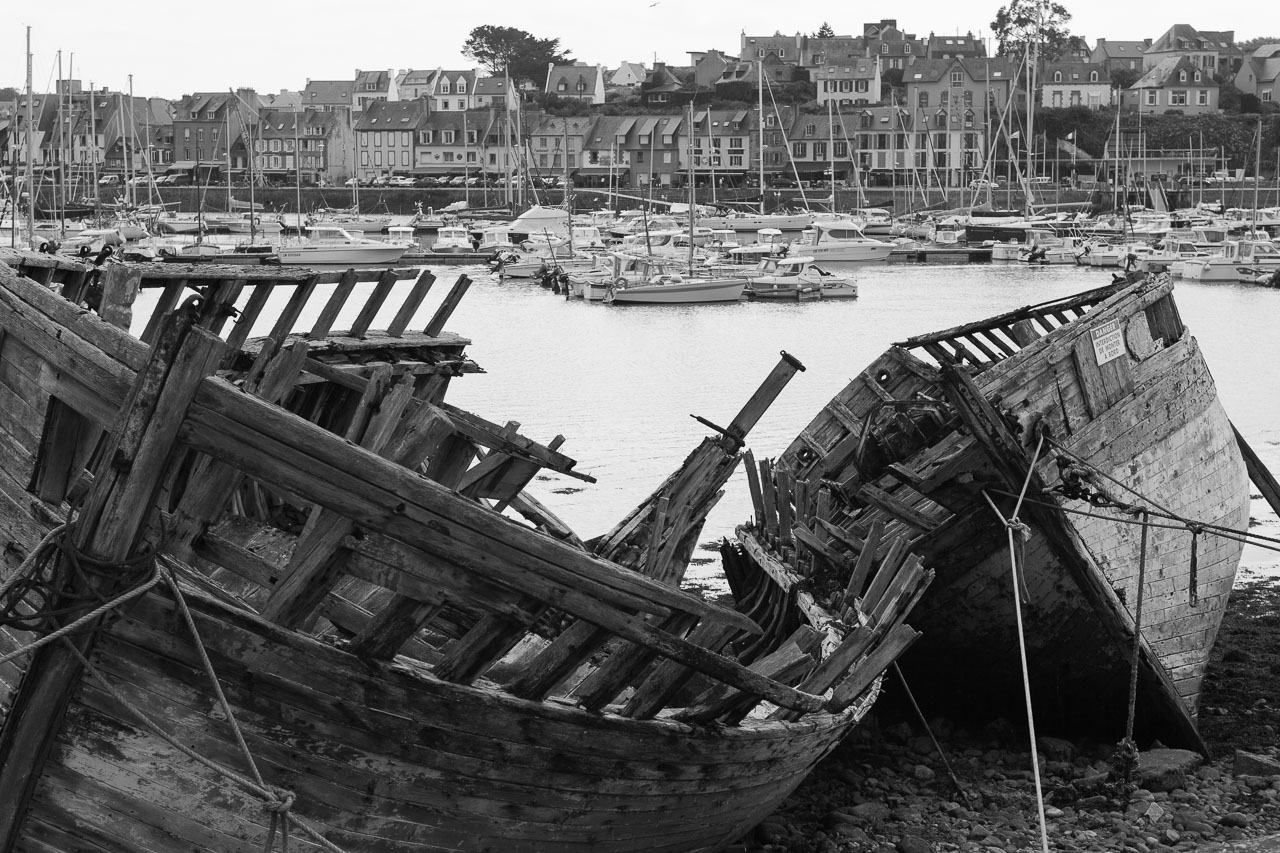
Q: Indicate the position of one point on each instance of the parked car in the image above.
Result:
(108, 180)
(979, 184)
(426, 181)
(400, 181)
(1041, 180)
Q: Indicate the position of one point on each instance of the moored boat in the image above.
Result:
(300, 606)
(797, 279)
(328, 244)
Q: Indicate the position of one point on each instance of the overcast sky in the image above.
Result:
(173, 48)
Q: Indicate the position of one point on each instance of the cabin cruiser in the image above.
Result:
(841, 241)
(1241, 260)
(329, 244)
(797, 279)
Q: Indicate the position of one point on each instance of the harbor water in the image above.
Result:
(621, 383)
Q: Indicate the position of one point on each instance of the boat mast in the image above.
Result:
(230, 207)
(760, 128)
(297, 173)
(60, 187)
(831, 150)
(466, 168)
(93, 149)
(31, 168)
(1257, 172)
(692, 193)
(133, 144)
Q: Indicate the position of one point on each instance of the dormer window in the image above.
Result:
(1197, 76)
(1182, 76)
(444, 87)
(884, 48)
(1057, 76)
(582, 86)
(760, 53)
(371, 87)
(782, 52)
(461, 88)
(562, 87)
(1093, 76)
(906, 47)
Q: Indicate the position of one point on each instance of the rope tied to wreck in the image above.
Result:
(1018, 533)
(40, 592)
(277, 802)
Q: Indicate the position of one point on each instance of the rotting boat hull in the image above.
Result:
(1146, 415)
(336, 532)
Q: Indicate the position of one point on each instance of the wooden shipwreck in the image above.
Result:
(1100, 412)
(261, 580)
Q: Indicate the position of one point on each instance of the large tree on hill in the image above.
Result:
(510, 50)
(1026, 22)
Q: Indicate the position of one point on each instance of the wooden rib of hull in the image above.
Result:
(1150, 419)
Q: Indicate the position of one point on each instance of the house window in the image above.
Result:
(957, 78)
(819, 150)
(968, 118)
(1182, 76)
(861, 86)
(364, 138)
(1057, 98)
(666, 156)
(760, 53)
(200, 135)
(1202, 97)
(810, 130)
(562, 86)
(1152, 96)
(471, 137)
(906, 47)
(1076, 98)
(1057, 76)
(800, 149)
(782, 52)
(735, 143)
(1178, 98)
(377, 158)
(404, 158)
(940, 120)
(446, 137)
(1197, 76)
(542, 142)
(639, 156)
(461, 88)
(377, 139)
(1093, 76)
(582, 86)
(924, 99)
(864, 120)
(660, 97)
(444, 87)
(769, 121)
(644, 139)
(884, 48)
(427, 137)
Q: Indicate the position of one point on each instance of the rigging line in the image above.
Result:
(1246, 537)
(1014, 527)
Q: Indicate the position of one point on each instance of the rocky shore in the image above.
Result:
(888, 789)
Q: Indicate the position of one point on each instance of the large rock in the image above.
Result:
(1165, 769)
(1250, 764)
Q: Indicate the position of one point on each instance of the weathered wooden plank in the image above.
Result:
(866, 560)
(371, 307)
(248, 318)
(412, 301)
(293, 309)
(895, 507)
(167, 302)
(436, 324)
(1090, 377)
(889, 650)
(333, 307)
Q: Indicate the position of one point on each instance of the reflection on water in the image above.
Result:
(620, 383)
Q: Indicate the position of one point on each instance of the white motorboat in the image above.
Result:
(1241, 260)
(329, 244)
(797, 279)
(453, 239)
(841, 241)
(676, 289)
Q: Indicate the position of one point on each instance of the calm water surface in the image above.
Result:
(620, 383)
